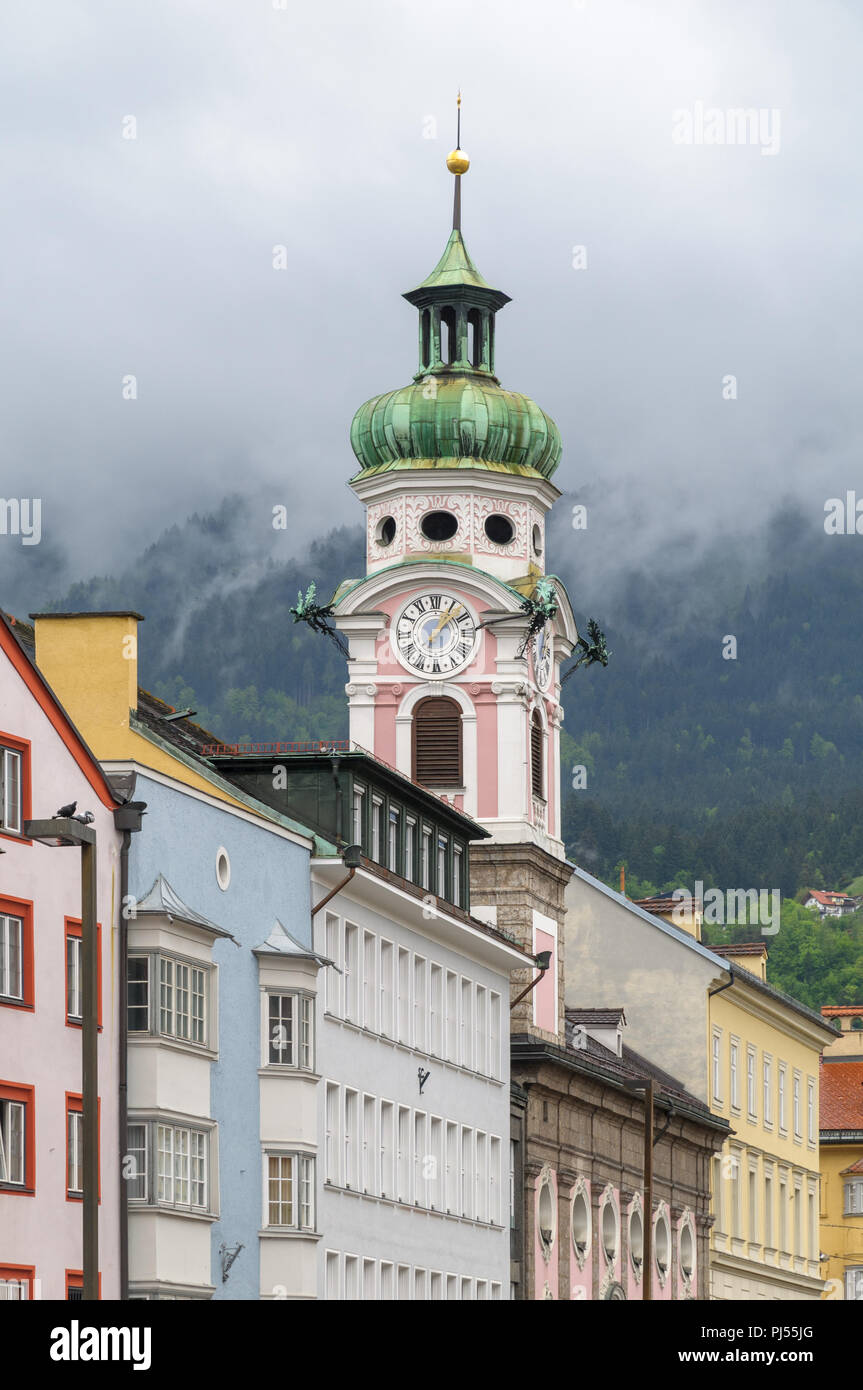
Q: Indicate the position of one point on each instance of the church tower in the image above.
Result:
(455, 477)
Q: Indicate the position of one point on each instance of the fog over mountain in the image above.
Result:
(258, 127)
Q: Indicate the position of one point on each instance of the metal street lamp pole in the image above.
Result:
(647, 1086)
(63, 830)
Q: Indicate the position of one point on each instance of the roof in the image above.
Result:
(601, 1018)
(828, 898)
(841, 1010)
(595, 1059)
(162, 901)
(742, 948)
(841, 1095)
(281, 943)
(455, 267)
(854, 1168)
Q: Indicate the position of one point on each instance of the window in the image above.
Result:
(410, 868)
(494, 1036)
(290, 1188)
(426, 858)
(16, 1283)
(854, 1197)
(717, 1087)
(441, 874)
(751, 1099)
(332, 1134)
(767, 1089)
(854, 1284)
(181, 1166)
(482, 1180)
(369, 1280)
(332, 1275)
(798, 1132)
(359, 814)
(467, 1172)
(290, 1021)
(783, 1215)
(768, 1211)
(537, 781)
(452, 1168)
(13, 811)
(386, 989)
(352, 1278)
(480, 1036)
(334, 977)
(74, 1151)
(135, 1163)
(753, 1205)
(420, 1005)
(404, 1001)
(810, 1109)
(403, 1156)
(387, 1280)
(377, 817)
(437, 742)
(75, 1286)
(435, 1188)
(351, 1139)
(466, 1038)
(735, 1091)
(494, 1183)
(14, 1137)
(813, 1226)
(370, 1149)
(457, 872)
(182, 1000)
(436, 1010)
(74, 976)
(662, 1245)
(781, 1106)
(420, 1181)
(351, 973)
(387, 1150)
(394, 825)
(370, 981)
(452, 1034)
(16, 953)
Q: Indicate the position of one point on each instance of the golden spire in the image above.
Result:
(457, 160)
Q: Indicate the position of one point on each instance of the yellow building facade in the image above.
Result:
(764, 1079)
(841, 1137)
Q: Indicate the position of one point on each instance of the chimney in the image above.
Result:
(90, 660)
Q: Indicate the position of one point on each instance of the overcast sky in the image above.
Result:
(258, 126)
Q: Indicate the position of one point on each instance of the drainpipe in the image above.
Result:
(128, 819)
(727, 985)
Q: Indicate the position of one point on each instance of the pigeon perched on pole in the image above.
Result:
(86, 817)
(66, 811)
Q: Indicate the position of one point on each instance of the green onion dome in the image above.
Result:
(455, 413)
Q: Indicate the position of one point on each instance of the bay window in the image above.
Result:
(290, 1025)
(290, 1191)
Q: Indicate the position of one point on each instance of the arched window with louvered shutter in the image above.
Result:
(537, 781)
(437, 742)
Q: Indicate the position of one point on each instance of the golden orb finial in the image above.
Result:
(457, 161)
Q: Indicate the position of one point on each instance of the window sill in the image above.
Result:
(24, 1004)
(14, 1189)
(157, 1209)
(288, 1233)
(283, 1070)
(414, 1207)
(174, 1044)
(13, 835)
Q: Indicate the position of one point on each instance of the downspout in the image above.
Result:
(727, 985)
(128, 819)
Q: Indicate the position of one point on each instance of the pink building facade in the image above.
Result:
(44, 764)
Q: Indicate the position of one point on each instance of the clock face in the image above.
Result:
(435, 635)
(542, 658)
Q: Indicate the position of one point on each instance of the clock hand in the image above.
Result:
(444, 618)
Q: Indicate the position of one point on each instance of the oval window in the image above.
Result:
(385, 531)
(609, 1232)
(687, 1252)
(439, 526)
(546, 1215)
(499, 529)
(223, 869)
(580, 1223)
(536, 540)
(661, 1241)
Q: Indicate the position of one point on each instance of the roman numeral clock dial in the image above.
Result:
(435, 635)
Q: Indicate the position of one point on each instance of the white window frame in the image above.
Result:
(301, 1190)
(358, 811)
(420, 1003)
(854, 1283)
(296, 1052)
(13, 1123)
(139, 1152)
(436, 987)
(74, 1153)
(796, 1106)
(370, 981)
(352, 972)
(751, 1083)
(811, 1130)
(177, 984)
(11, 790)
(386, 1019)
(394, 825)
(853, 1197)
(734, 1073)
(410, 867)
(457, 870)
(767, 1088)
(10, 929)
(717, 1066)
(782, 1098)
(189, 1154)
(377, 817)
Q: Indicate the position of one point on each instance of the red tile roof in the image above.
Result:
(829, 898)
(855, 1168)
(841, 1095)
(841, 1010)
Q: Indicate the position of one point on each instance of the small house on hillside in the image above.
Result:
(830, 904)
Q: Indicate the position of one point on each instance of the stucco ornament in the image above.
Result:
(318, 616)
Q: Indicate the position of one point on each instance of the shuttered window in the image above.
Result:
(536, 778)
(437, 742)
